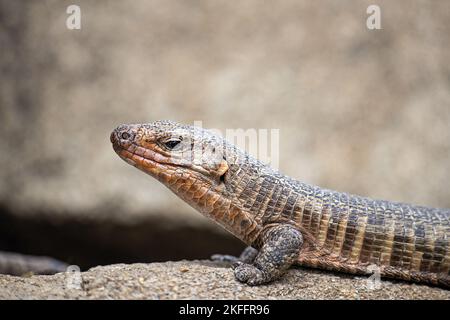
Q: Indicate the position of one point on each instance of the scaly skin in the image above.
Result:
(284, 221)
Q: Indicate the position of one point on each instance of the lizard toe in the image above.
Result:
(248, 274)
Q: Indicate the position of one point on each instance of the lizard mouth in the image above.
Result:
(146, 159)
(126, 150)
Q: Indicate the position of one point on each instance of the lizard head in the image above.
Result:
(181, 157)
(199, 166)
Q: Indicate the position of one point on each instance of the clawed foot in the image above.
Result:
(243, 272)
(249, 274)
(280, 248)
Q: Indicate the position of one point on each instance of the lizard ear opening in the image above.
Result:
(222, 171)
(222, 178)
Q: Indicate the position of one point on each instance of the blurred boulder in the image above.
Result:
(362, 111)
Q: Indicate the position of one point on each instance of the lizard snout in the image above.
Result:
(123, 136)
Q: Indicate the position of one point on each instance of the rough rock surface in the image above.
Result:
(204, 280)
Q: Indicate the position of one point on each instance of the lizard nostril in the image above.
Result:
(125, 135)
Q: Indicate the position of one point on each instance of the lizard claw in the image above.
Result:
(248, 274)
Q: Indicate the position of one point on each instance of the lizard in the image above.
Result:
(283, 221)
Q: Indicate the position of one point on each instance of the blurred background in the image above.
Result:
(362, 111)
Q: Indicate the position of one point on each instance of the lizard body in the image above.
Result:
(284, 221)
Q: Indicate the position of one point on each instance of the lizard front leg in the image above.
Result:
(279, 250)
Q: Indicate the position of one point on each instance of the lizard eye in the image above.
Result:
(125, 135)
(172, 144)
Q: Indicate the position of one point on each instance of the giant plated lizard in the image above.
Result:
(284, 221)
